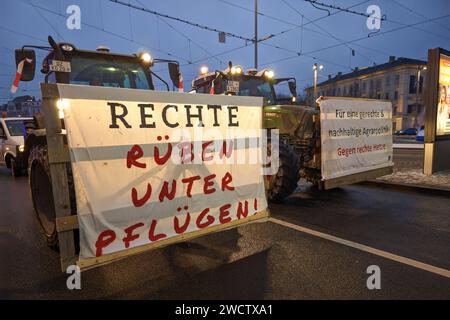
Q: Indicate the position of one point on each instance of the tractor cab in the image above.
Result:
(233, 81)
(65, 63)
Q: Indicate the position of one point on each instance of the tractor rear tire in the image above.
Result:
(42, 195)
(285, 181)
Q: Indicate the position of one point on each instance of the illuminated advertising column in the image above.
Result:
(437, 122)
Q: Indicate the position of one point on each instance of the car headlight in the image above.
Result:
(21, 148)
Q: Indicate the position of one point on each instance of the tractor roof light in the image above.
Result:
(269, 74)
(204, 70)
(146, 58)
(237, 70)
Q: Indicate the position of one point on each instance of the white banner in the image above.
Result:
(151, 165)
(356, 136)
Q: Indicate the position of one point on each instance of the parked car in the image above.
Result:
(421, 134)
(12, 132)
(407, 132)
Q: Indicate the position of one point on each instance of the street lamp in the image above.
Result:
(316, 68)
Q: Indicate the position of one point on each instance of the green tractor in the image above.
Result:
(298, 126)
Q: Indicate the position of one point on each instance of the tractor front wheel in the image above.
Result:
(282, 184)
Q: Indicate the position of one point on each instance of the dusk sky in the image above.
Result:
(128, 31)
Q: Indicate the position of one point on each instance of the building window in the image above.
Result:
(412, 85)
(356, 93)
(387, 96)
(397, 80)
(378, 84)
(396, 95)
(421, 84)
(412, 108)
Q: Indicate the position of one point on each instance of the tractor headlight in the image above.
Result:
(62, 104)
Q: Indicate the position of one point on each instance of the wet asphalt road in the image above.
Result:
(257, 261)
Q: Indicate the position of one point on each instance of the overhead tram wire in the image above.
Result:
(46, 20)
(182, 34)
(359, 39)
(419, 14)
(324, 30)
(111, 33)
(302, 26)
(197, 25)
(315, 2)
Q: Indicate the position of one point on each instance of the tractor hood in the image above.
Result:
(290, 119)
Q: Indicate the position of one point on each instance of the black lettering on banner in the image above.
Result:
(144, 115)
(215, 107)
(164, 116)
(115, 116)
(232, 116)
(189, 116)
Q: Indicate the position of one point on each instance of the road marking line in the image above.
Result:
(377, 252)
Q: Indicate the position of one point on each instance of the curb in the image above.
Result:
(413, 187)
(409, 146)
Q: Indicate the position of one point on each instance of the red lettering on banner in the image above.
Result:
(226, 152)
(104, 239)
(183, 228)
(130, 236)
(140, 202)
(165, 191)
(242, 213)
(133, 155)
(224, 213)
(190, 182)
(151, 233)
(186, 152)
(208, 186)
(162, 160)
(226, 180)
(210, 219)
(205, 150)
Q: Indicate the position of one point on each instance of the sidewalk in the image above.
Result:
(416, 178)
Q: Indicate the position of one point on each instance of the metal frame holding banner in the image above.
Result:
(437, 116)
(356, 137)
(150, 168)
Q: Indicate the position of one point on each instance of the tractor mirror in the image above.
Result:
(29, 65)
(174, 72)
(293, 88)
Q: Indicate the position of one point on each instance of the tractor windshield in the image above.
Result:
(257, 87)
(108, 72)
